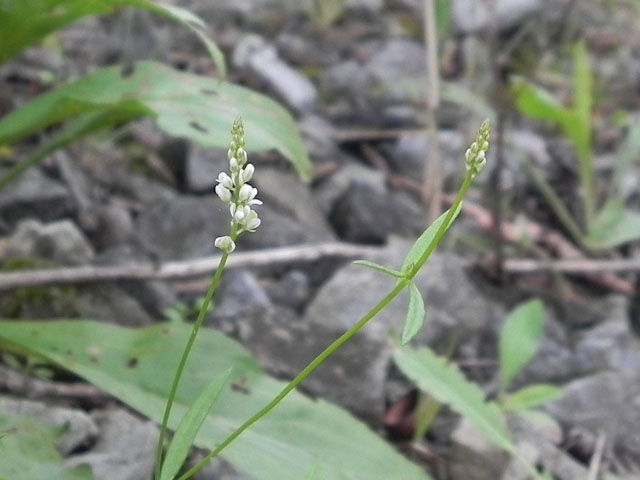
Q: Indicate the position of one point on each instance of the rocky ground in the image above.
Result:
(356, 85)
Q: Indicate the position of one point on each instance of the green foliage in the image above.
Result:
(519, 339)
(531, 397)
(132, 365)
(27, 452)
(426, 240)
(415, 314)
(200, 109)
(379, 268)
(612, 225)
(30, 21)
(189, 426)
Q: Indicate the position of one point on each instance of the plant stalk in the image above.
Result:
(183, 360)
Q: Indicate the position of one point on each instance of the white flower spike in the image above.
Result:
(235, 191)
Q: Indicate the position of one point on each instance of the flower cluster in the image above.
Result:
(235, 191)
(476, 154)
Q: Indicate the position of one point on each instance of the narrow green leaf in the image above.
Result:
(519, 339)
(531, 397)
(314, 473)
(135, 366)
(379, 268)
(614, 226)
(424, 241)
(582, 83)
(189, 426)
(444, 381)
(183, 104)
(415, 314)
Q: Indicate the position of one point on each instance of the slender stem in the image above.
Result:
(299, 378)
(466, 183)
(183, 360)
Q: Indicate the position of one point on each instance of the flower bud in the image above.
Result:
(247, 172)
(226, 244)
(223, 193)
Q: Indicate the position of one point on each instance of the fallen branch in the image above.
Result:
(181, 269)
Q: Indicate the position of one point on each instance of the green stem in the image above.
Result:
(466, 183)
(183, 360)
(299, 378)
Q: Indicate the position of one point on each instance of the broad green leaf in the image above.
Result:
(614, 226)
(30, 21)
(519, 339)
(189, 425)
(27, 452)
(135, 365)
(184, 105)
(415, 314)
(424, 241)
(379, 268)
(531, 396)
(444, 381)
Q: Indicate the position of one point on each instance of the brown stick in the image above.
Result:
(182, 269)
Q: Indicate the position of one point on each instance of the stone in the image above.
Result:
(77, 427)
(240, 294)
(471, 16)
(61, 242)
(286, 193)
(115, 226)
(606, 402)
(292, 290)
(182, 227)
(407, 156)
(110, 303)
(124, 449)
(261, 59)
(202, 168)
(364, 215)
(33, 194)
(398, 69)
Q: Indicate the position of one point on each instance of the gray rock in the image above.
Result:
(34, 195)
(202, 168)
(408, 154)
(352, 377)
(182, 227)
(471, 16)
(114, 226)
(60, 242)
(124, 450)
(328, 192)
(473, 456)
(605, 402)
(240, 294)
(364, 215)
(398, 69)
(109, 303)
(453, 304)
(318, 135)
(276, 230)
(452, 301)
(292, 290)
(286, 193)
(262, 60)
(78, 428)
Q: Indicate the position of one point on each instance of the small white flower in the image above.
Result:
(225, 180)
(226, 244)
(234, 166)
(251, 222)
(223, 193)
(239, 213)
(247, 192)
(247, 172)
